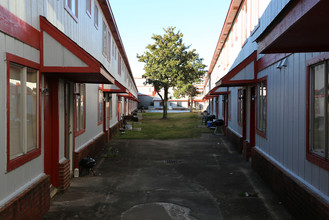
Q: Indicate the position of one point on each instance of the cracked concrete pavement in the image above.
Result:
(184, 179)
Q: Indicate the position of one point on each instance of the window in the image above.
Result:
(72, 7)
(22, 115)
(104, 39)
(88, 7)
(119, 64)
(119, 108)
(319, 109)
(100, 107)
(108, 46)
(113, 49)
(110, 102)
(179, 104)
(261, 107)
(244, 19)
(254, 14)
(96, 16)
(240, 106)
(80, 108)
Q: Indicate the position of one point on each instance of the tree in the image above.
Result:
(188, 90)
(169, 64)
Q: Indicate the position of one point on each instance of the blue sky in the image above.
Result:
(200, 22)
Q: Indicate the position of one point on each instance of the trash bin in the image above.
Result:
(209, 118)
(209, 124)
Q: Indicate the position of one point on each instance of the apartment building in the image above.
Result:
(267, 80)
(65, 83)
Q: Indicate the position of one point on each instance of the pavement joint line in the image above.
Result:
(227, 148)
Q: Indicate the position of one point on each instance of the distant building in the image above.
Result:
(149, 99)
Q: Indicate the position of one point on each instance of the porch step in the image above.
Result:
(53, 191)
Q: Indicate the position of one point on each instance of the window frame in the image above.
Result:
(111, 107)
(319, 160)
(88, 9)
(74, 14)
(104, 39)
(96, 16)
(32, 154)
(119, 64)
(119, 107)
(244, 22)
(79, 131)
(261, 131)
(108, 41)
(113, 48)
(100, 107)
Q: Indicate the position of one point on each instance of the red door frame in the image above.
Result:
(104, 114)
(51, 130)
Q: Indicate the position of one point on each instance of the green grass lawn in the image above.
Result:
(178, 125)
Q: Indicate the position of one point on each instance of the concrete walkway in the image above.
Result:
(185, 179)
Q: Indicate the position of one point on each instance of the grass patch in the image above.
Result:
(178, 125)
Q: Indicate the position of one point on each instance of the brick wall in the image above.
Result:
(246, 150)
(92, 149)
(295, 196)
(235, 139)
(32, 204)
(115, 129)
(64, 175)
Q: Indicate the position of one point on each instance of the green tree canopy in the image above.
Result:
(170, 63)
(188, 90)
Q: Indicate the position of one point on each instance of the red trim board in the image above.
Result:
(230, 16)
(12, 25)
(107, 12)
(51, 130)
(46, 26)
(94, 73)
(226, 80)
(299, 27)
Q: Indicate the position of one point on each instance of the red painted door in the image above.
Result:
(51, 130)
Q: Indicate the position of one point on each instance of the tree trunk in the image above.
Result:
(165, 103)
(191, 103)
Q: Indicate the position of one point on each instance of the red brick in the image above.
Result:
(297, 198)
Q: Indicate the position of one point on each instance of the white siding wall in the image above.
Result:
(233, 123)
(17, 180)
(92, 127)
(286, 125)
(82, 32)
(114, 120)
(61, 120)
